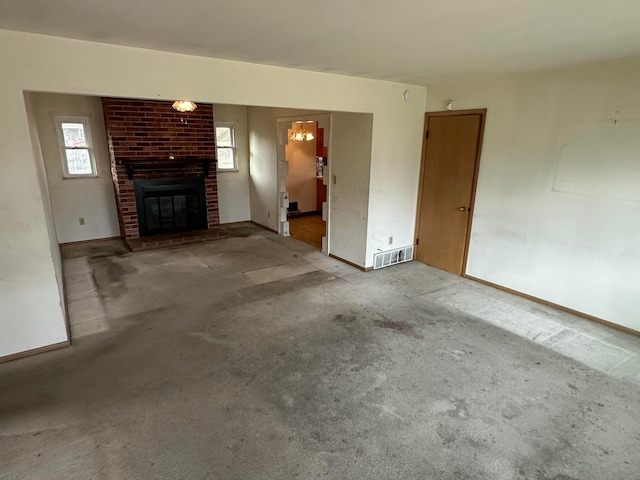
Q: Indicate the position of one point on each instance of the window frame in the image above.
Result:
(58, 120)
(234, 147)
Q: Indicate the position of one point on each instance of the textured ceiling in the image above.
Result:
(420, 41)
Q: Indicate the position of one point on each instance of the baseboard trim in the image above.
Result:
(35, 351)
(351, 264)
(239, 222)
(305, 214)
(607, 323)
(66, 308)
(266, 228)
(93, 240)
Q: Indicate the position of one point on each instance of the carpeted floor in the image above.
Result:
(257, 357)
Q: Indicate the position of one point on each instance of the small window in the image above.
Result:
(226, 147)
(76, 149)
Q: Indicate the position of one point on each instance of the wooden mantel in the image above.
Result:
(131, 164)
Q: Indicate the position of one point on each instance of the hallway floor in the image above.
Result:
(256, 357)
(308, 229)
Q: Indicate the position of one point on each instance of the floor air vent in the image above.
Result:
(392, 257)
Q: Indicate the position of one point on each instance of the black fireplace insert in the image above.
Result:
(169, 205)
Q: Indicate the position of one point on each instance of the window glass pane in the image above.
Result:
(225, 159)
(224, 137)
(74, 135)
(79, 162)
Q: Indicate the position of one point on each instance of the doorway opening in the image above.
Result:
(448, 178)
(304, 164)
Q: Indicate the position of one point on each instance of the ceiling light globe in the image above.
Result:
(184, 106)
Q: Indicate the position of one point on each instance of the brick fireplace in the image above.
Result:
(164, 171)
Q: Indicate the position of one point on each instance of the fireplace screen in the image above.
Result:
(170, 205)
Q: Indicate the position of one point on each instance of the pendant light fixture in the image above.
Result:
(301, 134)
(184, 106)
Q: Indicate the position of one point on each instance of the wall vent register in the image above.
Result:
(392, 257)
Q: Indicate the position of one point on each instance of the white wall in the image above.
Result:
(56, 254)
(393, 186)
(263, 181)
(92, 199)
(233, 187)
(31, 314)
(29, 299)
(556, 213)
(350, 172)
(302, 178)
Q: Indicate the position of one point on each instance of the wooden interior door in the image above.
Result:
(447, 188)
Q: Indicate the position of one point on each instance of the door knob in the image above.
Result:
(462, 209)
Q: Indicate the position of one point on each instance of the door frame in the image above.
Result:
(283, 124)
(425, 140)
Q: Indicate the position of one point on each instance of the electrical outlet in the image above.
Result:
(81, 220)
(268, 214)
(333, 179)
(391, 240)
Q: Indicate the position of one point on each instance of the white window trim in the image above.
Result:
(85, 120)
(232, 126)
